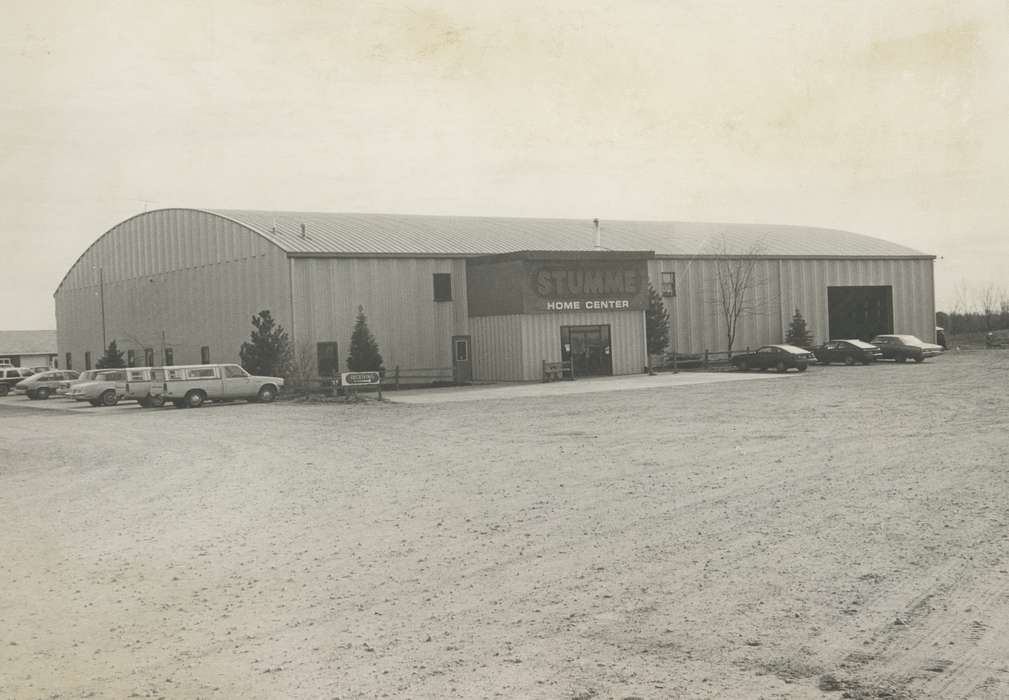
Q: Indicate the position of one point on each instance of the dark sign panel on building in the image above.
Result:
(537, 282)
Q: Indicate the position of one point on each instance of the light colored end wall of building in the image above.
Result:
(497, 348)
(413, 330)
(195, 277)
(782, 285)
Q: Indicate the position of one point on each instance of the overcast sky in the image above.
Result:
(883, 117)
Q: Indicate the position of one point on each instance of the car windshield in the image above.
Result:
(909, 340)
(860, 344)
(793, 349)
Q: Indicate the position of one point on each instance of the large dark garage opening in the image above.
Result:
(859, 312)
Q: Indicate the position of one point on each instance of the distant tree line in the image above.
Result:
(976, 311)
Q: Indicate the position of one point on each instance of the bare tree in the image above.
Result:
(302, 369)
(988, 301)
(736, 281)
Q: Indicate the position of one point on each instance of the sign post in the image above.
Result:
(353, 380)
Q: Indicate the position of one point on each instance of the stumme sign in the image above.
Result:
(536, 282)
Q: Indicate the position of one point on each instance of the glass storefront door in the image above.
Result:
(588, 349)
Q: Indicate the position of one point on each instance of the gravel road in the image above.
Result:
(837, 533)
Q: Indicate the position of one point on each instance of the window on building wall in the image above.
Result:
(148, 357)
(131, 358)
(205, 355)
(169, 356)
(70, 361)
(442, 286)
(668, 284)
(87, 359)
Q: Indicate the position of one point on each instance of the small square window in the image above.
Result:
(148, 357)
(442, 286)
(169, 356)
(669, 284)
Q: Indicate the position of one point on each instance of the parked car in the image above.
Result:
(190, 386)
(780, 357)
(847, 351)
(108, 386)
(63, 388)
(138, 387)
(902, 348)
(43, 384)
(11, 376)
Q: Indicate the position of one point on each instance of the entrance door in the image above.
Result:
(588, 349)
(462, 362)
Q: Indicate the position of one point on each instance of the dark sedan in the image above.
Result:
(847, 351)
(780, 357)
(902, 348)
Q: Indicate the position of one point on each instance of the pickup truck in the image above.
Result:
(190, 386)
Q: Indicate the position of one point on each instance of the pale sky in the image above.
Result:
(883, 117)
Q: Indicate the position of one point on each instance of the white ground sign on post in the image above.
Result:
(354, 380)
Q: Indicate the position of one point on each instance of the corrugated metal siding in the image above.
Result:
(406, 235)
(412, 330)
(497, 348)
(194, 275)
(541, 339)
(698, 323)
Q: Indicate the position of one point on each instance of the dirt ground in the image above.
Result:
(841, 533)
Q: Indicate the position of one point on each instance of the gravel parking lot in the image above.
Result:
(840, 532)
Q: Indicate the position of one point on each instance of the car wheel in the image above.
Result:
(781, 366)
(743, 365)
(143, 403)
(42, 393)
(30, 394)
(195, 399)
(155, 401)
(179, 404)
(94, 403)
(109, 398)
(267, 394)
(919, 359)
(900, 358)
(801, 368)
(849, 360)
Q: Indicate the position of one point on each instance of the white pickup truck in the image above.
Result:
(190, 386)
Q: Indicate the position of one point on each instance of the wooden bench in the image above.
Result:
(555, 371)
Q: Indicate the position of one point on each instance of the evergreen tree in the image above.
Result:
(656, 323)
(798, 334)
(112, 359)
(268, 351)
(364, 355)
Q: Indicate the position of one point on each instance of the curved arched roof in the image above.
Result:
(409, 235)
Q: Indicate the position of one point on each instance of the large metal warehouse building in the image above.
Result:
(488, 298)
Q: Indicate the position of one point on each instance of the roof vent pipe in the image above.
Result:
(599, 241)
(303, 231)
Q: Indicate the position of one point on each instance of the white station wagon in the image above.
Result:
(190, 386)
